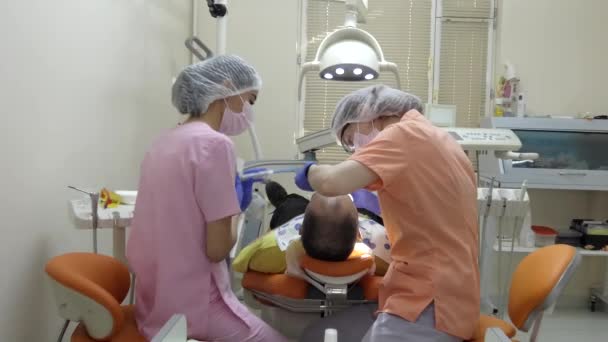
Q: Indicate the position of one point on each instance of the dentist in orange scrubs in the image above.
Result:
(428, 197)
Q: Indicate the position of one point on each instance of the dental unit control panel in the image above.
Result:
(485, 139)
(502, 141)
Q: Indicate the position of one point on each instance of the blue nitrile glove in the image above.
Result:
(244, 191)
(364, 199)
(244, 188)
(302, 177)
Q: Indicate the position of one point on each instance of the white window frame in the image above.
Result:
(301, 48)
(435, 62)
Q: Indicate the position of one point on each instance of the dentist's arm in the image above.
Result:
(341, 179)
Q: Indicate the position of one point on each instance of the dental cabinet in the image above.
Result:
(573, 154)
(568, 180)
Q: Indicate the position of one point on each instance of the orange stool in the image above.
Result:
(89, 289)
(537, 282)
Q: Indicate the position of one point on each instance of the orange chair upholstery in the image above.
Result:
(356, 262)
(296, 288)
(89, 284)
(536, 284)
(486, 322)
(538, 280)
(276, 284)
(371, 285)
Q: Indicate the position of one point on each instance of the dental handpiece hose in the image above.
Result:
(266, 173)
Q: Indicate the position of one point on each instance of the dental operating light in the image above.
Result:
(349, 53)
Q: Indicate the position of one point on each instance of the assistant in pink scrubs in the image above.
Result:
(184, 225)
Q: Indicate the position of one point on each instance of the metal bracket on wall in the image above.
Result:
(195, 50)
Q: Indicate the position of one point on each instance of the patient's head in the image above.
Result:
(330, 228)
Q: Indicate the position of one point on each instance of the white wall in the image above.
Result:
(83, 87)
(265, 34)
(558, 48)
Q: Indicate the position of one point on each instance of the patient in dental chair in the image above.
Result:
(328, 230)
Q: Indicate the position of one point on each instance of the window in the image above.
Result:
(461, 77)
(410, 32)
(402, 27)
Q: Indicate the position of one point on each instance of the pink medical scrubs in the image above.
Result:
(187, 180)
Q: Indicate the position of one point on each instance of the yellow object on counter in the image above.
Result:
(499, 111)
(109, 199)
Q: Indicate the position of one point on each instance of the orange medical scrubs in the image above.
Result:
(428, 198)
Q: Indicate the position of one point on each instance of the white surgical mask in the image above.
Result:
(360, 139)
(234, 123)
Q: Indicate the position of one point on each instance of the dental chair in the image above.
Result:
(289, 304)
(89, 288)
(536, 285)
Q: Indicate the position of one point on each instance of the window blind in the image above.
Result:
(463, 68)
(463, 58)
(402, 27)
(467, 8)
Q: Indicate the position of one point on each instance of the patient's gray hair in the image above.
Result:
(330, 228)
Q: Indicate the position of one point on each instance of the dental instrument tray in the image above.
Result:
(80, 210)
(595, 233)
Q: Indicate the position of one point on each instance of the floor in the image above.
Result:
(567, 325)
(572, 325)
